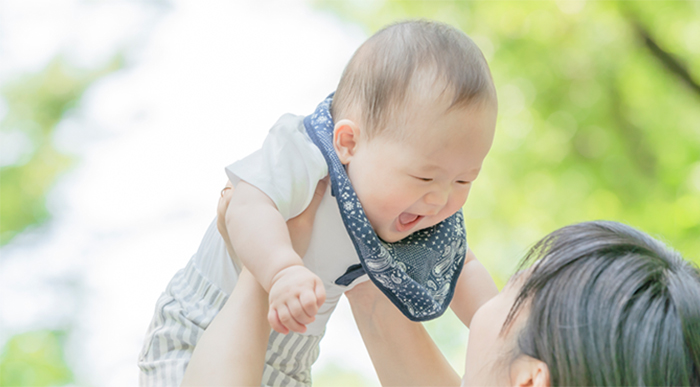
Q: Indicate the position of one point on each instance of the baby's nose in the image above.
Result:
(437, 198)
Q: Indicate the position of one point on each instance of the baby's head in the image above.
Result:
(414, 114)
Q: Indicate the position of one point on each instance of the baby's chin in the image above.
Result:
(393, 236)
(390, 236)
(393, 232)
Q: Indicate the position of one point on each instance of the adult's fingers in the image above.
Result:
(224, 200)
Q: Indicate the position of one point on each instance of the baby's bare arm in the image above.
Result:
(259, 234)
(474, 287)
(261, 240)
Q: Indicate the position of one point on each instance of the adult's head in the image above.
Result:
(602, 305)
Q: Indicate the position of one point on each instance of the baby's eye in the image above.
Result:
(463, 182)
(423, 178)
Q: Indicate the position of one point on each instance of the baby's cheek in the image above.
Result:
(375, 212)
(465, 195)
(453, 206)
(458, 202)
(390, 201)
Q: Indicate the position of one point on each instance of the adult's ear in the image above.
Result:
(527, 371)
(346, 137)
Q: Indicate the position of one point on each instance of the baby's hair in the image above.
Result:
(377, 79)
(608, 305)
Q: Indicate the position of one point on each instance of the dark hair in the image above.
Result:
(608, 305)
(378, 76)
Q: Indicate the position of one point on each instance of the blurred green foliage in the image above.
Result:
(36, 103)
(34, 359)
(599, 116)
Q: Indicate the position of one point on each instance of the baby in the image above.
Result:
(403, 139)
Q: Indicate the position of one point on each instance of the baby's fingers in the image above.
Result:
(299, 312)
(275, 322)
(288, 320)
(308, 302)
(320, 291)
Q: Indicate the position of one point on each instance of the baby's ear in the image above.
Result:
(346, 137)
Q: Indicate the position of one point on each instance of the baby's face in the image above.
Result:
(410, 184)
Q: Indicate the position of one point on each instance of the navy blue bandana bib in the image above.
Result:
(418, 273)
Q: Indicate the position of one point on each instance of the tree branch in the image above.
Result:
(671, 63)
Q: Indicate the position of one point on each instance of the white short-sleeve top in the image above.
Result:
(287, 169)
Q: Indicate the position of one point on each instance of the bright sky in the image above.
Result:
(204, 82)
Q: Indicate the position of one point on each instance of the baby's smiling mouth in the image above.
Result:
(407, 221)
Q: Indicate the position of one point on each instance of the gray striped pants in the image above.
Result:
(184, 311)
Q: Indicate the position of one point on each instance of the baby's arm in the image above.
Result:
(474, 287)
(261, 240)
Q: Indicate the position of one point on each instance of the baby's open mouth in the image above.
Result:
(406, 221)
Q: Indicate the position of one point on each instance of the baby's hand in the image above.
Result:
(295, 296)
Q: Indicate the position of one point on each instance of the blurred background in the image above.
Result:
(118, 117)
